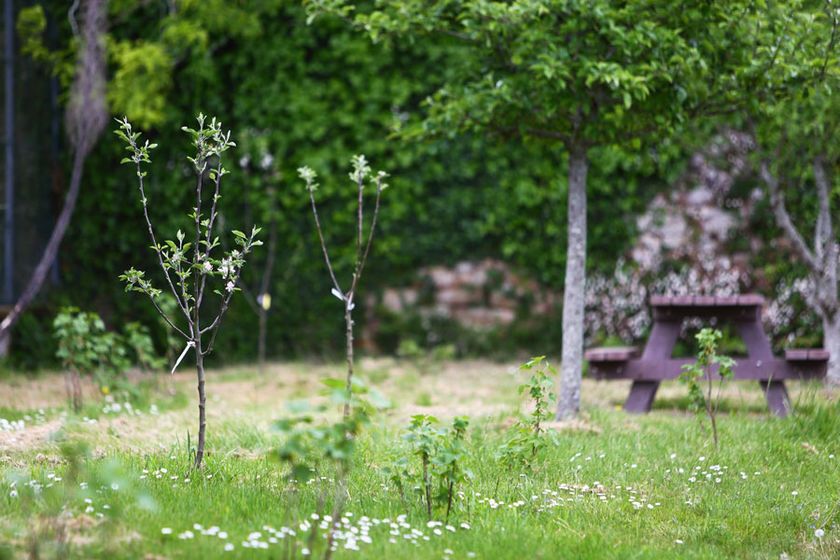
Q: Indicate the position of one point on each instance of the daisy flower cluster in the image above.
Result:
(19, 425)
(349, 533)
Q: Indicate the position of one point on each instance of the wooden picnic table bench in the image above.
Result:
(654, 365)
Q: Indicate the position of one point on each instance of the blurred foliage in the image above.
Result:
(298, 94)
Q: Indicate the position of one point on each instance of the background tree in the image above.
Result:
(317, 94)
(798, 156)
(85, 118)
(583, 75)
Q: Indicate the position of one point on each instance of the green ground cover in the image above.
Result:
(116, 482)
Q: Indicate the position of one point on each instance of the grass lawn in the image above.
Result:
(114, 481)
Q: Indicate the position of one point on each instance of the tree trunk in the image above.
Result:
(50, 252)
(831, 341)
(349, 321)
(261, 339)
(86, 117)
(77, 391)
(202, 417)
(573, 292)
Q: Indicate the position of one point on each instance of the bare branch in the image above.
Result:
(218, 320)
(824, 235)
(165, 317)
(323, 243)
(370, 233)
(360, 223)
(777, 202)
(183, 306)
(249, 297)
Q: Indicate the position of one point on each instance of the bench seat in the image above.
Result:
(624, 363)
(612, 353)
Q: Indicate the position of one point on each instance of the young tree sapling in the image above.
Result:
(185, 276)
(361, 173)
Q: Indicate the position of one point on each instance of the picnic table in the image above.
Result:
(655, 364)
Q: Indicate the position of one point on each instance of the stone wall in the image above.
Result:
(474, 294)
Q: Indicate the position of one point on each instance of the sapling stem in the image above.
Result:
(427, 486)
(707, 361)
(449, 501)
(712, 410)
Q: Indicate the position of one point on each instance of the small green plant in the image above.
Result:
(526, 437)
(86, 348)
(423, 438)
(361, 174)
(425, 360)
(708, 363)
(313, 451)
(441, 453)
(448, 463)
(188, 265)
(138, 339)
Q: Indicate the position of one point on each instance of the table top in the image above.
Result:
(736, 307)
(739, 300)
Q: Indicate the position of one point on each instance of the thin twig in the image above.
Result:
(162, 314)
(156, 247)
(323, 243)
(370, 235)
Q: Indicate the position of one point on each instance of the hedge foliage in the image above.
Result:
(298, 94)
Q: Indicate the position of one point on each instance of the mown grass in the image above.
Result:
(614, 486)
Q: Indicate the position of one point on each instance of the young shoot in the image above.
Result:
(527, 437)
(360, 175)
(192, 262)
(708, 363)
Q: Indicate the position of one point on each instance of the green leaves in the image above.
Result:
(708, 363)
(86, 348)
(525, 439)
(307, 444)
(441, 453)
(564, 58)
(139, 152)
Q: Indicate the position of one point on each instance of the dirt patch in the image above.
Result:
(242, 399)
(32, 437)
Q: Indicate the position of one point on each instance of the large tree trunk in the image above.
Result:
(50, 252)
(821, 260)
(568, 403)
(86, 117)
(831, 341)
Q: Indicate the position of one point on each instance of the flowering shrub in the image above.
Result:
(617, 305)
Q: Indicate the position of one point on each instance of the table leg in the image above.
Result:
(777, 397)
(660, 344)
(641, 396)
(755, 340)
(758, 348)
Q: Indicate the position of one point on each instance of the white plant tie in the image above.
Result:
(348, 302)
(189, 345)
